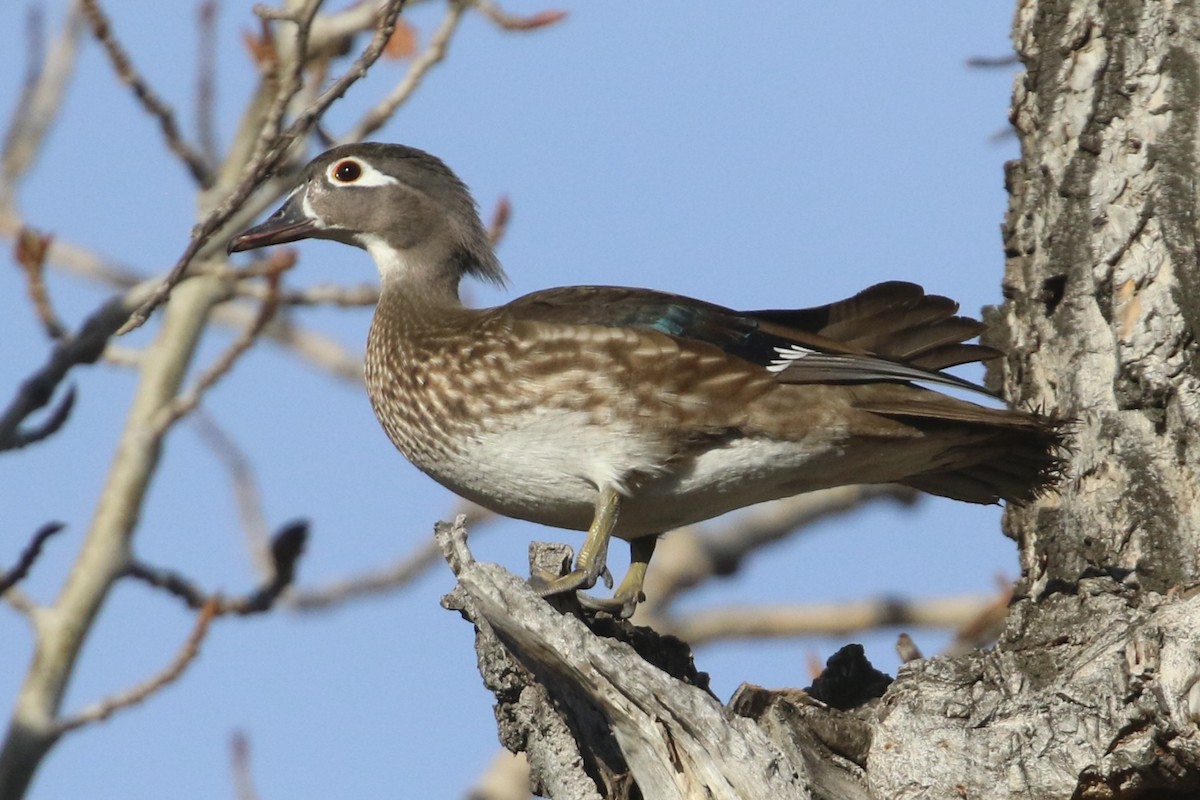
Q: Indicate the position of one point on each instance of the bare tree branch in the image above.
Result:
(75, 259)
(986, 626)
(290, 59)
(239, 762)
(367, 584)
(185, 402)
(29, 555)
(31, 250)
(334, 31)
(635, 708)
(244, 481)
(688, 557)
(206, 79)
(128, 74)
(41, 100)
(286, 548)
(823, 619)
(434, 52)
(260, 169)
(183, 659)
(53, 422)
(82, 348)
(514, 22)
(329, 294)
(388, 579)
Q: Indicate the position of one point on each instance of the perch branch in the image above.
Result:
(675, 737)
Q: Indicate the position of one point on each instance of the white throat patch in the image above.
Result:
(388, 260)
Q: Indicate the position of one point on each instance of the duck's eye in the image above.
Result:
(347, 171)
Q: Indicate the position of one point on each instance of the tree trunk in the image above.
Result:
(1093, 690)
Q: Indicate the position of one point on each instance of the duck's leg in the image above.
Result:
(629, 593)
(590, 564)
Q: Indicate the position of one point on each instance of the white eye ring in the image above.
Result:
(356, 172)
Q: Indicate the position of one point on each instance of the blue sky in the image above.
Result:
(754, 155)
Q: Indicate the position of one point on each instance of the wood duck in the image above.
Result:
(629, 412)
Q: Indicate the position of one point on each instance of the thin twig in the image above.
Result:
(239, 763)
(82, 348)
(286, 548)
(288, 77)
(399, 574)
(515, 22)
(433, 53)
(41, 99)
(329, 294)
(20, 602)
(75, 259)
(319, 350)
(107, 707)
(333, 32)
(245, 488)
(119, 356)
(32, 434)
(185, 402)
(259, 170)
(693, 555)
(128, 74)
(29, 555)
(31, 250)
(993, 62)
(206, 79)
(35, 45)
(403, 572)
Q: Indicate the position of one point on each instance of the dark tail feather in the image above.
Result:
(1017, 457)
(1011, 478)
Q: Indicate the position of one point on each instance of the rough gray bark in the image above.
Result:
(1093, 690)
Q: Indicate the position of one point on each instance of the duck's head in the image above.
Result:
(404, 206)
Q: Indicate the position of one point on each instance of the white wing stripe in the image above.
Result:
(786, 356)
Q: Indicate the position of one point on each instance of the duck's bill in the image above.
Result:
(288, 224)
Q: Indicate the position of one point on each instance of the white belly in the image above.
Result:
(547, 469)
